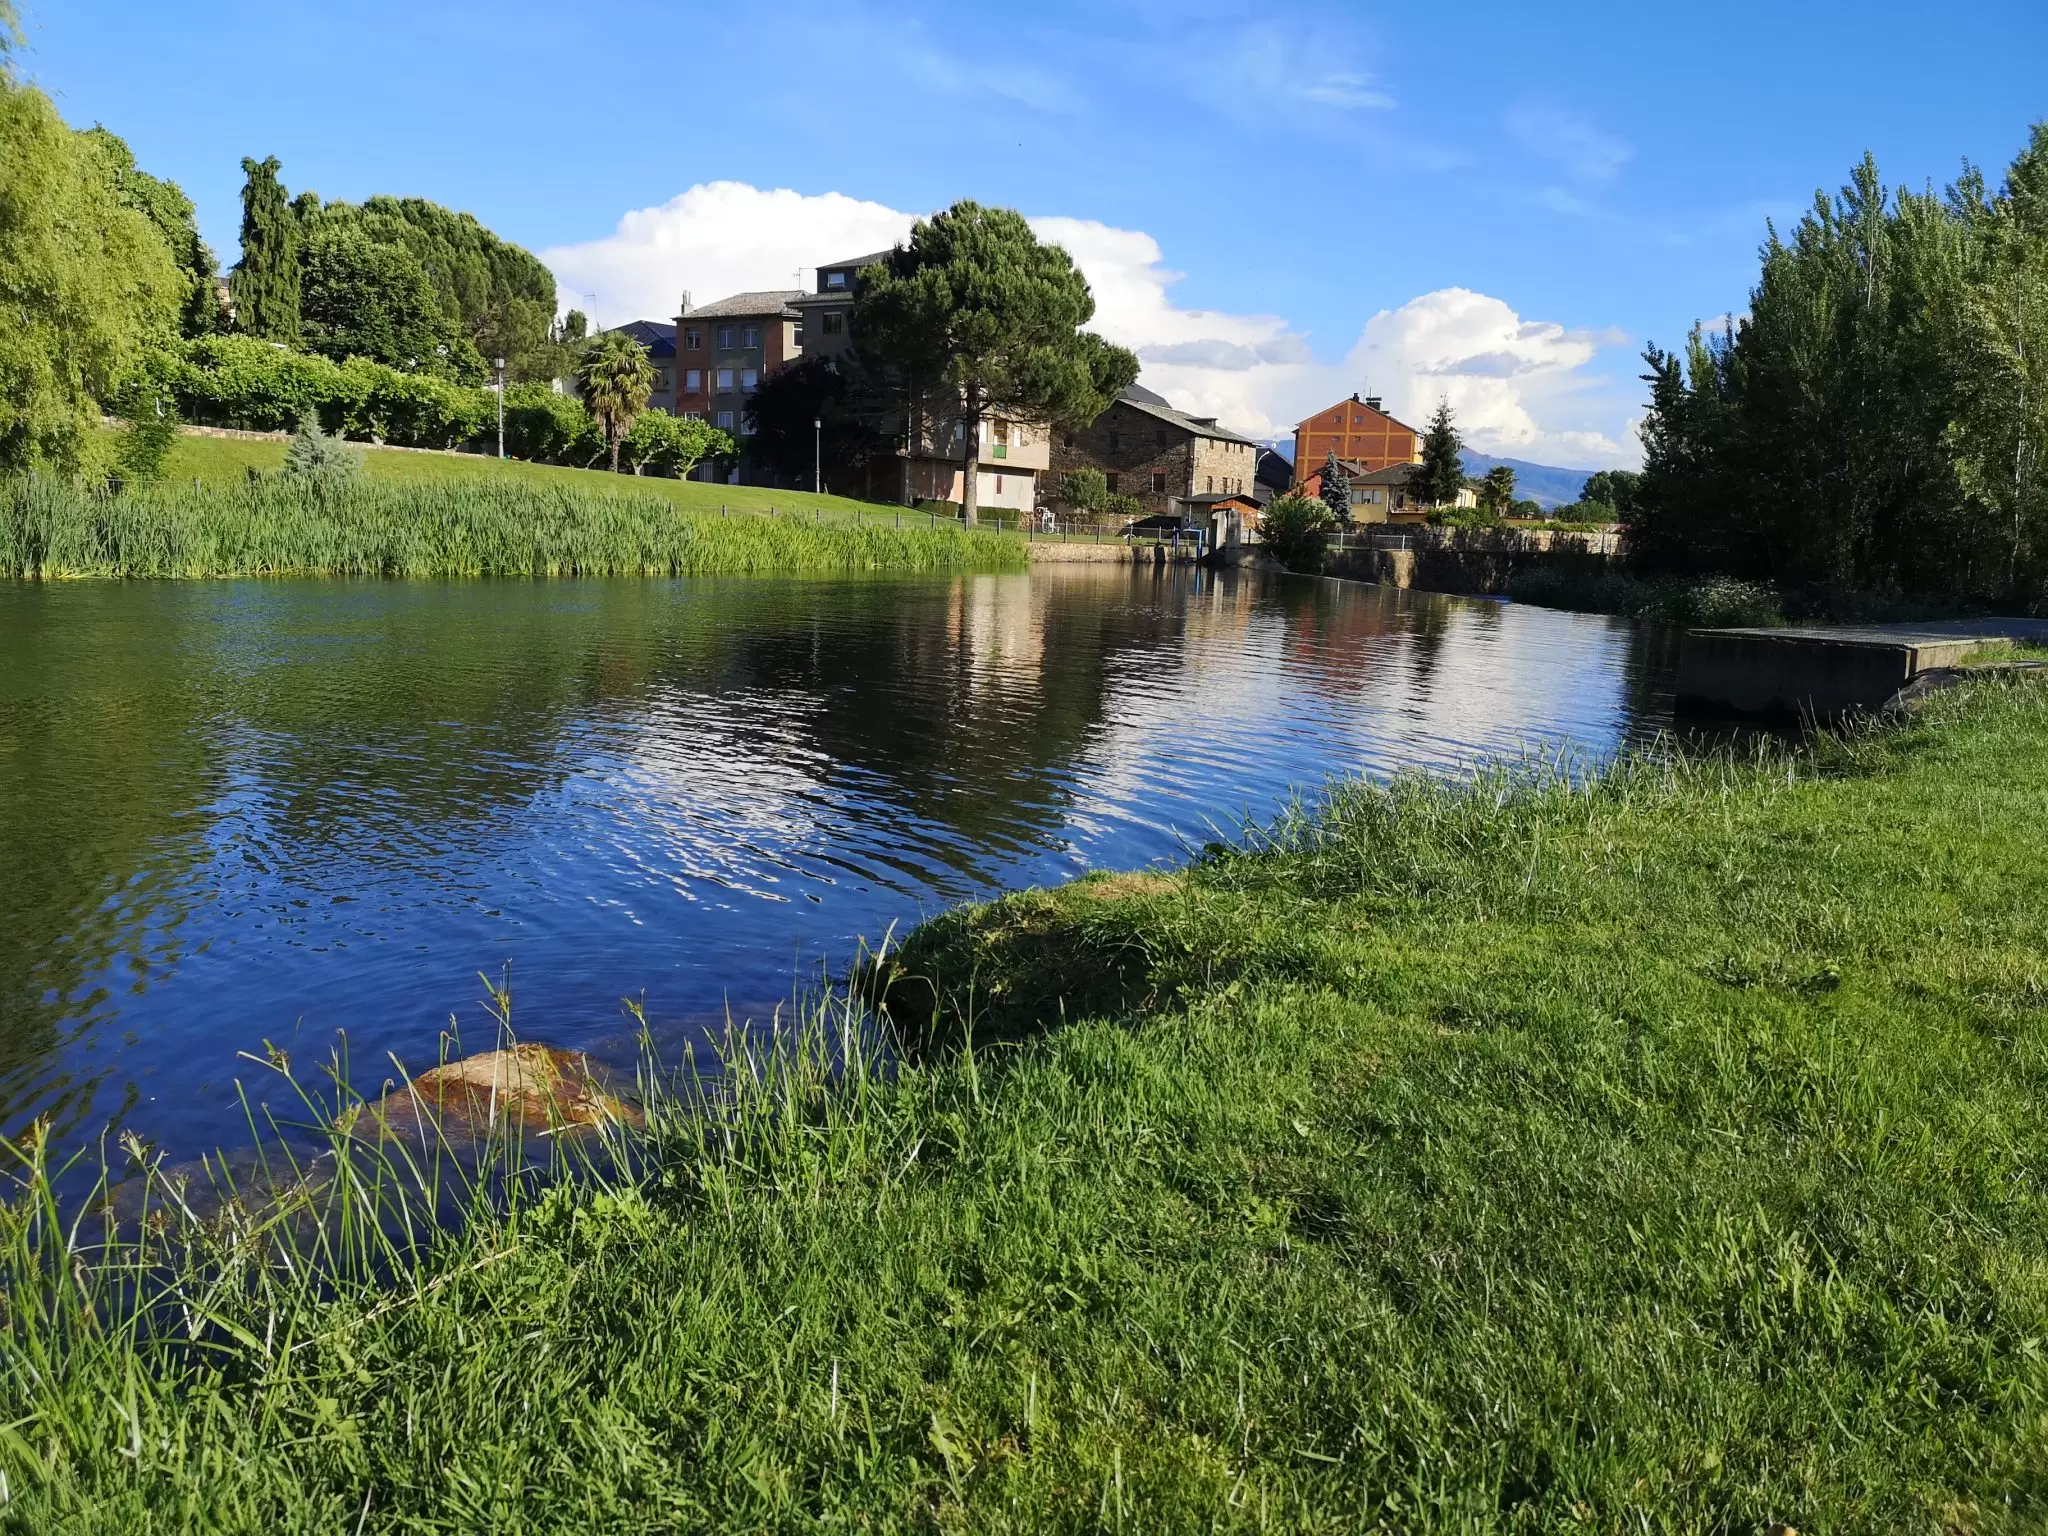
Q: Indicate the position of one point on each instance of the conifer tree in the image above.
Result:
(1336, 491)
(265, 284)
(979, 305)
(1441, 474)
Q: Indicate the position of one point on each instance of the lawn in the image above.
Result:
(1655, 1152)
(227, 461)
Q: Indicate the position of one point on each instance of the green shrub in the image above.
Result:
(239, 381)
(544, 425)
(1296, 529)
(1711, 602)
(1085, 490)
(322, 464)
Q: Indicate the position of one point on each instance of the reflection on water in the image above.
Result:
(236, 812)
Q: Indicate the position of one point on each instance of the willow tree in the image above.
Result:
(90, 284)
(977, 304)
(616, 379)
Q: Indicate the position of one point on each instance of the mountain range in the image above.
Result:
(1545, 484)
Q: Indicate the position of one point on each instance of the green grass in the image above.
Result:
(512, 521)
(1655, 1152)
(226, 462)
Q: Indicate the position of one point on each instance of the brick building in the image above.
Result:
(724, 350)
(1164, 457)
(1357, 431)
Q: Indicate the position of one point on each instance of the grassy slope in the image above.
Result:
(1660, 1158)
(226, 461)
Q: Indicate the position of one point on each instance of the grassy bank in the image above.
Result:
(225, 462)
(509, 526)
(1662, 1153)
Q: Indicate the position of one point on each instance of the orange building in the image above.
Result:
(1357, 430)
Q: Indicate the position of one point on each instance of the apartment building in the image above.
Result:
(828, 313)
(1166, 458)
(724, 350)
(1357, 431)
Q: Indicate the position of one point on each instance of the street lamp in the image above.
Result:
(818, 455)
(501, 407)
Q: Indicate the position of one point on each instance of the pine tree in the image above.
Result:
(1336, 491)
(1441, 474)
(265, 284)
(977, 302)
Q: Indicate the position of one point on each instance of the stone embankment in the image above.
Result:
(1480, 561)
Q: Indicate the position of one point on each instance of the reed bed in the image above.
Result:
(277, 527)
(1653, 1148)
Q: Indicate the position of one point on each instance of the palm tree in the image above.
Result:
(616, 379)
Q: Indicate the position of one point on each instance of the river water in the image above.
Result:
(297, 811)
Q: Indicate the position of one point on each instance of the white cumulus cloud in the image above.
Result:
(1516, 385)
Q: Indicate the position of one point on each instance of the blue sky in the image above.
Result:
(1278, 202)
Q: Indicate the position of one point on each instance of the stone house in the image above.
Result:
(1164, 457)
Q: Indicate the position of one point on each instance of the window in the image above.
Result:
(1209, 486)
(750, 379)
(1110, 481)
(750, 335)
(835, 279)
(693, 379)
(1067, 439)
(1115, 442)
(725, 378)
(834, 324)
(999, 482)
(693, 415)
(725, 338)
(1158, 482)
(725, 421)
(693, 340)
(746, 425)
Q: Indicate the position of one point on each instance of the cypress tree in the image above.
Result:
(1441, 474)
(1336, 491)
(265, 284)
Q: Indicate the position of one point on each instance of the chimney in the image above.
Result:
(1354, 397)
(1372, 402)
(686, 303)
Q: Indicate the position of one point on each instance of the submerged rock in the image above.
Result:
(522, 1089)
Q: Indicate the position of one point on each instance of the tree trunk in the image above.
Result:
(615, 451)
(970, 497)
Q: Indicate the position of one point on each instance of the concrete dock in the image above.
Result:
(1828, 672)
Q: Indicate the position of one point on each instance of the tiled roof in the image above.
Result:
(657, 336)
(855, 263)
(1197, 425)
(1393, 474)
(772, 301)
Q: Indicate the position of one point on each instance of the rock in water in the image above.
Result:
(524, 1089)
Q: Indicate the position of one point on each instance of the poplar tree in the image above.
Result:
(1441, 474)
(265, 283)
